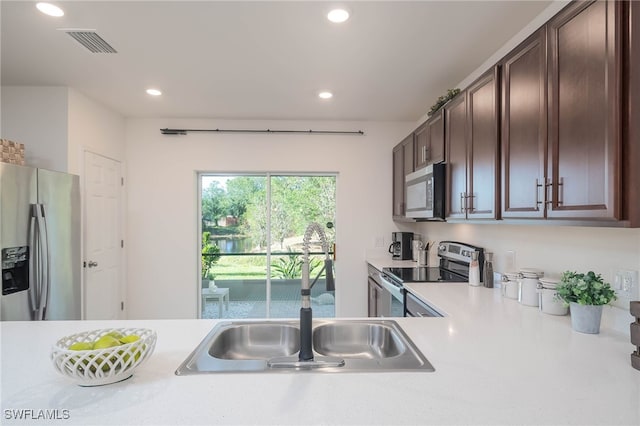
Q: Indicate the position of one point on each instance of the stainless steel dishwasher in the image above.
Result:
(414, 307)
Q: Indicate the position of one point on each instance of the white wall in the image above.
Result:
(162, 199)
(94, 127)
(554, 249)
(56, 123)
(37, 117)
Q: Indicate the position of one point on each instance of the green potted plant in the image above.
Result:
(585, 294)
(210, 256)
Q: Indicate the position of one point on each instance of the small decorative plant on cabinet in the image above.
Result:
(585, 294)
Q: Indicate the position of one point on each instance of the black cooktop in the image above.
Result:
(423, 274)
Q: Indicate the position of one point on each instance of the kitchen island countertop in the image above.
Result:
(496, 363)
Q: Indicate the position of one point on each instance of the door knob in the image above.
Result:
(92, 264)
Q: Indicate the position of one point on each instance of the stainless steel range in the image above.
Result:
(454, 260)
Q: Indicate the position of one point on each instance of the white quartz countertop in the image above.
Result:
(496, 363)
(388, 262)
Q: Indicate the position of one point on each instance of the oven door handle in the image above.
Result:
(392, 288)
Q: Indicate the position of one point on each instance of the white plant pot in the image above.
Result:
(585, 318)
(212, 285)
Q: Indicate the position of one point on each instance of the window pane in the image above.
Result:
(234, 212)
(236, 240)
(296, 201)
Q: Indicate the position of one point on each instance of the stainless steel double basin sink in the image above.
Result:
(338, 345)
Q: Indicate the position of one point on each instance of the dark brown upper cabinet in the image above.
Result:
(429, 141)
(482, 197)
(631, 123)
(472, 137)
(455, 118)
(402, 166)
(584, 106)
(524, 128)
(552, 131)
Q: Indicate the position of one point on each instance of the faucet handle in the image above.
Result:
(330, 281)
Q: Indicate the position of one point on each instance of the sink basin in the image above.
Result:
(359, 340)
(256, 341)
(259, 346)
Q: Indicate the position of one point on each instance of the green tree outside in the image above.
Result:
(295, 201)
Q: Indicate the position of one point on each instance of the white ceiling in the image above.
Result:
(260, 60)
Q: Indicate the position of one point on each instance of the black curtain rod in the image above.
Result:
(167, 131)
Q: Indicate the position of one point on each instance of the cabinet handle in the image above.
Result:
(538, 186)
(463, 203)
(470, 209)
(548, 186)
(560, 190)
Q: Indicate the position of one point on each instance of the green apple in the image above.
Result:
(106, 341)
(115, 334)
(81, 346)
(129, 338)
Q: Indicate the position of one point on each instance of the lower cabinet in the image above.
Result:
(375, 298)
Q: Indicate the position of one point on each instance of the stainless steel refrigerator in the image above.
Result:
(40, 243)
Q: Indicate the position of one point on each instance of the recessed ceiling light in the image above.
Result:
(50, 9)
(338, 15)
(325, 95)
(154, 92)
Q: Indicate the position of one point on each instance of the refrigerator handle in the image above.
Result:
(46, 270)
(34, 263)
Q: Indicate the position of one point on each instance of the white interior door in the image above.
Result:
(102, 237)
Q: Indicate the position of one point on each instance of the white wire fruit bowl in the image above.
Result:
(95, 367)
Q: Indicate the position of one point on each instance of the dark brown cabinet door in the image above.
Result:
(429, 141)
(436, 137)
(402, 165)
(455, 118)
(631, 141)
(584, 111)
(524, 129)
(398, 181)
(421, 143)
(482, 147)
(407, 145)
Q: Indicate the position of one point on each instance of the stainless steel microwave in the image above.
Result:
(425, 193)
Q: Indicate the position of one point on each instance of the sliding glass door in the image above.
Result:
(251, 243)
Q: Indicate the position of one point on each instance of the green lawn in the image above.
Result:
(240, 267)
(248, 267)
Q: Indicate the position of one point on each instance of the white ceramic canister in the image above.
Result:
(528, 294)
(510, 285)
(549, 304)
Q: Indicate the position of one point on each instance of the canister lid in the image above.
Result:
(550, 282)
(511, 276)
(531, 272)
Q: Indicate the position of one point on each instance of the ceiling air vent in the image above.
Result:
(91, 40)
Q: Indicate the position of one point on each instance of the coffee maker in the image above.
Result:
(400, 247)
